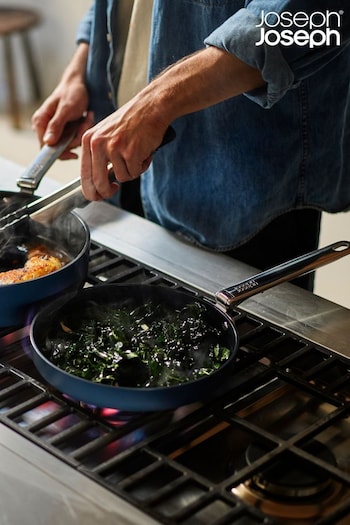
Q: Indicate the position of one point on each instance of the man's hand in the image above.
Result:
(128, 138)
(68, 102)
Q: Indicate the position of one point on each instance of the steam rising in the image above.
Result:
(13, 254)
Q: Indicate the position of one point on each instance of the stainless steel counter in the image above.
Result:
(36, 489)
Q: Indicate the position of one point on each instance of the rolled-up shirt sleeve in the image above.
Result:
(282, 66)
(83, 33)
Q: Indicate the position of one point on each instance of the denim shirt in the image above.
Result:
(241, 163)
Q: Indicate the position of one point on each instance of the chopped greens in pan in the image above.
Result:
(143, 346)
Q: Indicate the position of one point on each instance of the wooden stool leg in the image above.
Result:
(11, 83)
(33, 73)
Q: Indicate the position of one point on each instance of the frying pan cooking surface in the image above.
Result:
(68, 235)
(121, 397)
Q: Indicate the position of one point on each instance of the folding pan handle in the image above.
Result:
(31, 178)
(283, 272)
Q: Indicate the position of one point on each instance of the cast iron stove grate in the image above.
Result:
(274, 447)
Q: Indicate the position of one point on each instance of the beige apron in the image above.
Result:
(135, 27)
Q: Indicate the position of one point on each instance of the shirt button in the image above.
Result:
(109, 37)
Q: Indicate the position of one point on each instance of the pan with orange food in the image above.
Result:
(44, 247)
(38, 260)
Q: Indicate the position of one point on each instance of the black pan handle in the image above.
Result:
(31, 178)
(169, 136)
(282, 273)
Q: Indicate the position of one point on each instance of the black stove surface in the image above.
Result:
(272, 447)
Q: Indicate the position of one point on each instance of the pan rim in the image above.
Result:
(139, 394)
(66, 267)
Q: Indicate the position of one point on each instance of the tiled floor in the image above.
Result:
(332, 281)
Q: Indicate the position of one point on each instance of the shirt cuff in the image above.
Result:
(238, 35)
(84, 29)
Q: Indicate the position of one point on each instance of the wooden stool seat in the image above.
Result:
(13, 20)
(19, 21)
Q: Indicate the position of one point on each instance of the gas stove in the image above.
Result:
(272, 447)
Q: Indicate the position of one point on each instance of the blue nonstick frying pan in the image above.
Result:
(141, 399)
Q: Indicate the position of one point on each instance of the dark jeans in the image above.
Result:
(288, 236)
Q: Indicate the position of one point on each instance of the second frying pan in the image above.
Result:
(216, 315)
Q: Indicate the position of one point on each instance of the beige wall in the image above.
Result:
(53, 42)
(333, 280)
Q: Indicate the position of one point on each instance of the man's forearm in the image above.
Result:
(202, 80)
(76, 68)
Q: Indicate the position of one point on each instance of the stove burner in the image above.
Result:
(112, 416)
(291, 489)
(291, 479)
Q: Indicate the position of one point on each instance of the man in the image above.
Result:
(258, 94)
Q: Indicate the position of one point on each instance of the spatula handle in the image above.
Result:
(31, 177)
